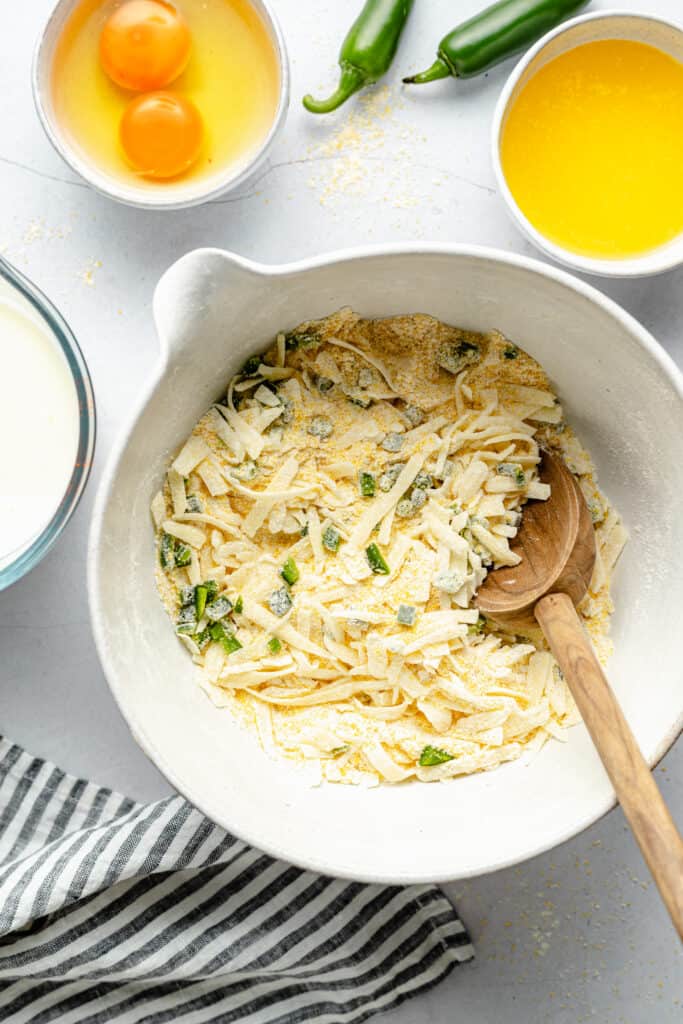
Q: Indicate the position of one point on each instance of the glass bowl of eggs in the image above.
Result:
(159, 104)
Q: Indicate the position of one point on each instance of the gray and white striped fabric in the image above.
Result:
(111, 910)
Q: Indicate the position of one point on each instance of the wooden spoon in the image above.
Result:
(556, 542)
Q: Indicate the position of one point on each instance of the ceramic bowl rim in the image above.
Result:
(98, 617)
(656, 261)
(144, 198)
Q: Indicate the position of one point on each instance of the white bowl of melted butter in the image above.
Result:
(621, 393)
(46, 425)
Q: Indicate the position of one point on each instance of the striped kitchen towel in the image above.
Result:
(111, 910)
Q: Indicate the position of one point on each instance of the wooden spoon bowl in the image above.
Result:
(557, 547)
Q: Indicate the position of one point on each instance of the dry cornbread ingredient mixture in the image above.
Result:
(323, 532)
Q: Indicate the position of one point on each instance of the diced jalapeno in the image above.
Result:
(392, 442)
(217, 631)
(406, 615)
(274, 645)
(477, 627)
(186, 596)
(183, 555)
(225, 637)
(390, 476)
(250, 368)
(200, 596)
(454, 356)
(239, 605)
(218, 609)
(331, 539)
(404, 508)
(202, 639)
(423, 481)
(414, 415)
(186, 628)
(301, 339)
(418, 498)
(167, 551)
(431, 756)
(287, 414)
(204, 592)
(449, 582)
(280, 602)
(366, 482)
(290, 572)
(186, 621)
(358, 397)
(376, 561)
(230, 644)
(321, 427)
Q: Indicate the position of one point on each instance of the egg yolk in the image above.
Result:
(161, 134)
(144, 44)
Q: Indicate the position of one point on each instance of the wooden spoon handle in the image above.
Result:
(641, 801)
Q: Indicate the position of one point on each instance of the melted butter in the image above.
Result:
(592, 149)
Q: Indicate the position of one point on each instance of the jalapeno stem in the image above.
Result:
(439, 69)
(352, 79)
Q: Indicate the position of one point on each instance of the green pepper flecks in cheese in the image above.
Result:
(323, 532)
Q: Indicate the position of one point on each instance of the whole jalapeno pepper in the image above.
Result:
(367, 51)
(493, 35)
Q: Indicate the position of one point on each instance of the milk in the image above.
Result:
(38, 427)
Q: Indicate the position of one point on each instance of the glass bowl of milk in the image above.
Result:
(47, 425)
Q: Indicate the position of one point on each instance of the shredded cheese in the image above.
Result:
(192, 453)
(264, 500)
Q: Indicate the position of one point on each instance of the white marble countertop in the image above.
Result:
(573, 935)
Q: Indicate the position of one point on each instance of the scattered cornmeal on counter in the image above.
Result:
(592, 148)
(155, 92)
(323, 532)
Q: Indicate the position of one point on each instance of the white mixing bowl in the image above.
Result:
(625, 397)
